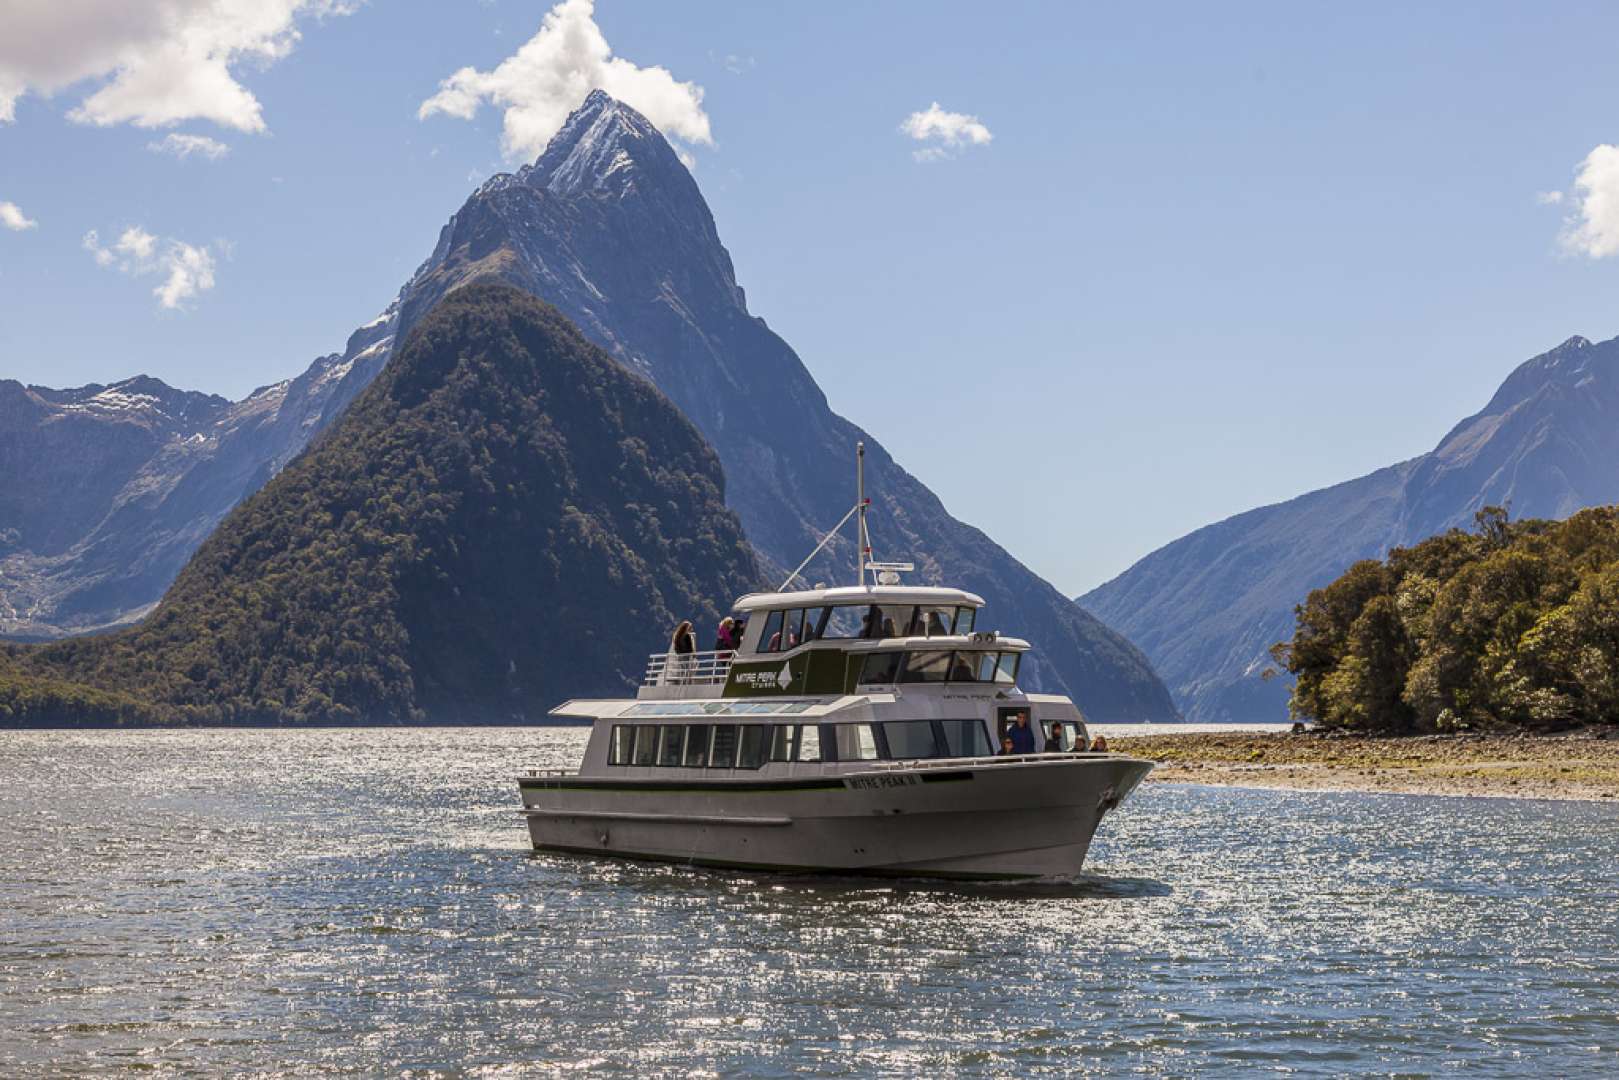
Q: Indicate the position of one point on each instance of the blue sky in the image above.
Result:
(1203, 259)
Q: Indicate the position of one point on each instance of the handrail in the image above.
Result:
(978, 762)
(688, 669)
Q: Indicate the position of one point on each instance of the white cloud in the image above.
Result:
(184, 146)
(186, 268)
(163, 61)
(552, 73)
(950, 132)
(1548, 198)
(1593, 227)
(12, 217)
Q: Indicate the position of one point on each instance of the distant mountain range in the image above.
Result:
(468, 543)
(1207, 607)
(105, 491)
(610, 228)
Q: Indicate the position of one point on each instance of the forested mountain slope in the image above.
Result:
(506, 517)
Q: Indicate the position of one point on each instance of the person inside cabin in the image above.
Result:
(889, 629)
(1021, 734)
(725, 641)
(1054, 744)
(683, 645)
(1006, 745)
(871, 623)
(936, 627)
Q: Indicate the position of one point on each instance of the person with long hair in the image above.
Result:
(682, 647)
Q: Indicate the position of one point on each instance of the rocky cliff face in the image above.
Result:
(1208, 606)
(610, 228)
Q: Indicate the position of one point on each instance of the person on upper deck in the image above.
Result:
(1021, 734)
(682, 646)
(1054, 743)
(1006, 746)
(726, 640)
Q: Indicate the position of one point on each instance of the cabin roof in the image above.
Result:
(855, 594)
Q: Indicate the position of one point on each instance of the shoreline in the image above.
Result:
(1578, 766)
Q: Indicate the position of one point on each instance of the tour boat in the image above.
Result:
(853, 730)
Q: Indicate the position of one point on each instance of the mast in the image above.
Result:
(863, 555)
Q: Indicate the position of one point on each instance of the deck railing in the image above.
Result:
(687, 669)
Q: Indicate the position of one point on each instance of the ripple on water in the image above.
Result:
(364, 901)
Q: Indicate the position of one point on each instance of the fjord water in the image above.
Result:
(363, 900)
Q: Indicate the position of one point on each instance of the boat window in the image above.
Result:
(670, 744)
(751, 747)
(783, 742)
(965, 618)
(1006, 670)
(966, 738)
(618, 750)
(986, 666)
(815, 622)
(880, 667)
(845, 621)
(854, 742)
(885, 620)
(724, 753)
(925, 667)
(963, 667)
(697, 746)
(646, 743)
(809, 743)
(932, 621)
(770, 638)
(911, 739)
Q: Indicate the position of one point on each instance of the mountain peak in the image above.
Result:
(602, 146)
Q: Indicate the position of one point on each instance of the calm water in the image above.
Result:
(362, 901)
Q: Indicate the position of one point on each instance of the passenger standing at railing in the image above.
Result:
(725, 641)
(682, 646)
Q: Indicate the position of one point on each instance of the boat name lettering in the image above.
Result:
(894, 780)
(760, 680)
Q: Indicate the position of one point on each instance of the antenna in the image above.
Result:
(863, 555)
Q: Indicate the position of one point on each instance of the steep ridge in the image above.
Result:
(105, 491)
(503, 518)
(611, 228)
(1207, 606)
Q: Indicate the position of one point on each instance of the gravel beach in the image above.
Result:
(1580, 765)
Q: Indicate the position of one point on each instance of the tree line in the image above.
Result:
(1514, 625)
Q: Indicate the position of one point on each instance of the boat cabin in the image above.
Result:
(843, 641)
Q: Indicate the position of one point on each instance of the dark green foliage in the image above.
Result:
(504, 518)
(1515, 625)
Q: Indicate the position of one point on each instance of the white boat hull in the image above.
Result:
(980, 818)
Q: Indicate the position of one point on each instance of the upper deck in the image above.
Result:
(842, 641)
(857, 595)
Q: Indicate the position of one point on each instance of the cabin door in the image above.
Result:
(1006, 720)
